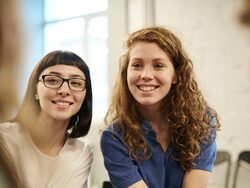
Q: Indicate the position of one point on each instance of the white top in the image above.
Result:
(70, 168)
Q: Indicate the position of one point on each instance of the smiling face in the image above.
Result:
(150, 74)
(61, 103)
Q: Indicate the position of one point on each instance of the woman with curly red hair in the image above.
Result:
(160, 130)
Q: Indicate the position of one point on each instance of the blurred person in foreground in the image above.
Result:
(10, 55)
(43, 138)
(244, 14)
(244, 21)
(160, 131)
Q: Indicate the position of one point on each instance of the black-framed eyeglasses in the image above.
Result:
(55, 82)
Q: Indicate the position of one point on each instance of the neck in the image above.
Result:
(150, 113)
(153, 114)
(162, 131)
(48, 135)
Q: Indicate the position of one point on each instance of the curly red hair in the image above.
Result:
(184, 109)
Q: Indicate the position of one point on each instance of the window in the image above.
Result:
(81, 26)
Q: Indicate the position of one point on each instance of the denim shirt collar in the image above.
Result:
(149, 133)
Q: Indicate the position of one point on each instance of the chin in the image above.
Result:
(148, 103)
(62, 117)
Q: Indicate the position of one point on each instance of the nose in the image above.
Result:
(147, 74)
(64, 89)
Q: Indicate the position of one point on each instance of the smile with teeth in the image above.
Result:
(147, 88)
(62, 103)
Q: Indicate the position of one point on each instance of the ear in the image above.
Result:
(174, 81)
(37, 98)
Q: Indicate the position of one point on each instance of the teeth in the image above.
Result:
(63, 103)
(147, 88)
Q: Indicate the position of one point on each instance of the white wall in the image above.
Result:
(117, 32)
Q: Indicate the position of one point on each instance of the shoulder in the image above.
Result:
(213, 117)
(113, 128)
(9, 126)
(80, 147)
(78, 153)
(213, 123)
(209, 145)
(112, 143)
(10, 129)
(112, 133)
(207, 155)
(12, 135)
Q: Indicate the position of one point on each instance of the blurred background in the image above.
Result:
(215, 33)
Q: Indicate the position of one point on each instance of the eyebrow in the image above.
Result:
(59, 74)
(155, 59)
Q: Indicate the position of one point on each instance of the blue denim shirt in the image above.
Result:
(160, 171)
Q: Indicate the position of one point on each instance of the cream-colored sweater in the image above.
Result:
(69, 169)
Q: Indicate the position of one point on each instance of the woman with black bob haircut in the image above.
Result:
(57, 109)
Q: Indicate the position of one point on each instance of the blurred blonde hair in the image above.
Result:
(244, 14)
(10, 55)
(10, 41)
